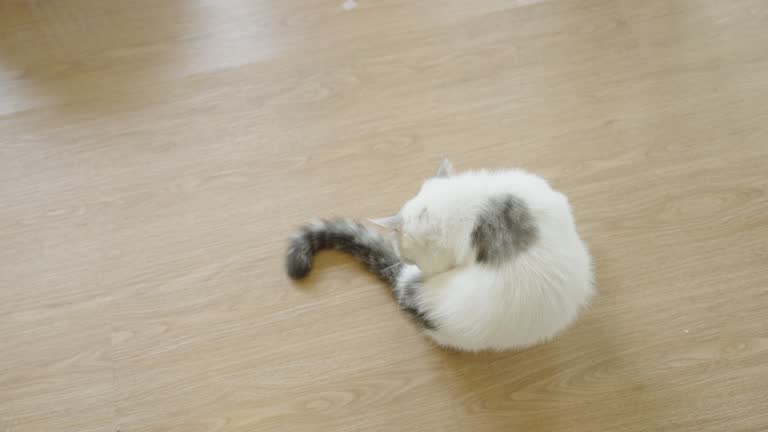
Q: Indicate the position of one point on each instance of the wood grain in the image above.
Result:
(154, 156)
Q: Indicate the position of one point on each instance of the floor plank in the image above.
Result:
(154, 156)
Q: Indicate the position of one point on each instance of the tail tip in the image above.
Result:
(298, 262)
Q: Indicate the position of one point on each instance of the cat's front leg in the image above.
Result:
(407, 291)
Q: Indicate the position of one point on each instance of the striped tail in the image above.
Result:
(347, 236)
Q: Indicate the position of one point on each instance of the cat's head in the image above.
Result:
(476, 217)
(430, 230)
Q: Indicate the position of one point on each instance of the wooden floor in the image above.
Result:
(155, 155)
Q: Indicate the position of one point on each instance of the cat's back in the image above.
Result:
(546, 207)
(527, 301)
(540, 289)
(543, 288)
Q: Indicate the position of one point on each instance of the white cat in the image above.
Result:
(482, 260)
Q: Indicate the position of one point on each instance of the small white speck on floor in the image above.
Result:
(686, 331)
(349, 4)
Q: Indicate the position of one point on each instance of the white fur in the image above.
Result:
(527, 300)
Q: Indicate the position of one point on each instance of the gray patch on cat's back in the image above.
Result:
(504, 228)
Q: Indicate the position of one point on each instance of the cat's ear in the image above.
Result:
(390, 222)
(445, 169)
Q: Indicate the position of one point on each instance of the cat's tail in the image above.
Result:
(347, 236)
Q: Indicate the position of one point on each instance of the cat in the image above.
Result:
(481, 260)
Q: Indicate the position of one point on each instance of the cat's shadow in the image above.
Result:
(570, 374)
(329, 265)
(550, 385)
